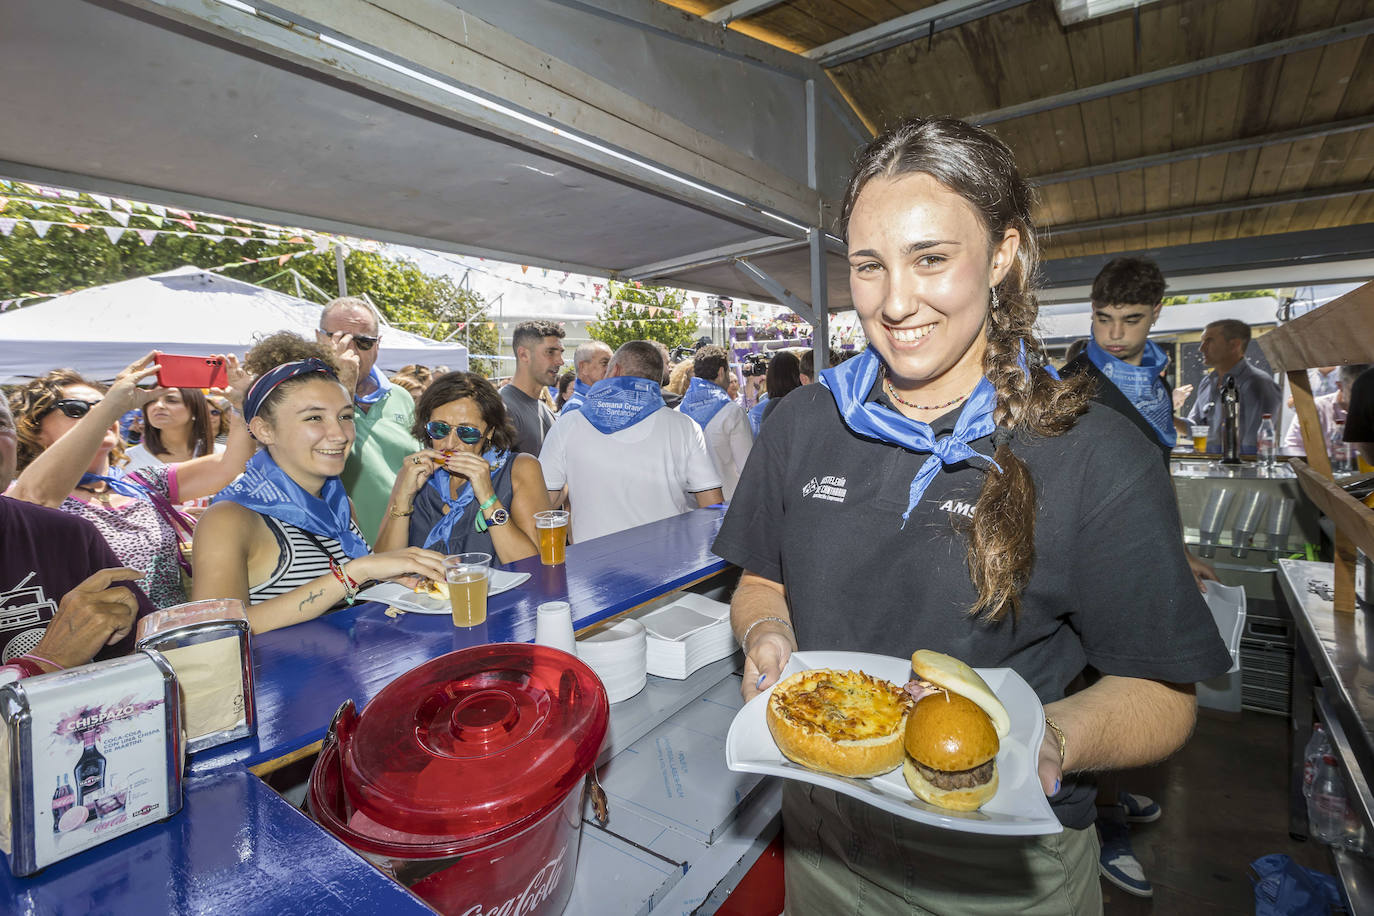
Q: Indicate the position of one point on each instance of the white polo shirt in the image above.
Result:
(637, 475)
(728, 440)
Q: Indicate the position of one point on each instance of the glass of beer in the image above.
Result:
(553, 536)
(467, 575)
(1199, 438)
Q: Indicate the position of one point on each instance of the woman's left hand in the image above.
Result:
(475, 469)
(239, 381)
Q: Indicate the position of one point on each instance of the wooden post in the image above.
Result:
(1306, 406)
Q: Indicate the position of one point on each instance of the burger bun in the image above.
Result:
(949, 672)
(953, 799)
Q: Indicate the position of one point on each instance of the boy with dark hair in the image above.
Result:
(538, 347)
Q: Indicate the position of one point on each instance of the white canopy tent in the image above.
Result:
(190, 311)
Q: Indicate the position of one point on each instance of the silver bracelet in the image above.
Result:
(744, 640)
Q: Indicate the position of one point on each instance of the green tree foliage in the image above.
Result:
(67, 259)
(1220, 297)
(632, 312)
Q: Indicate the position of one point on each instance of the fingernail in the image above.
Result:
(762, 678)
(1056, 787)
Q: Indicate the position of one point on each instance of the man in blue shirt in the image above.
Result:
(1223, 351)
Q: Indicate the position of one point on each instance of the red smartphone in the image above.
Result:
(191, 371)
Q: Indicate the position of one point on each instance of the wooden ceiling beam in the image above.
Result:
(1226, 206)
(739, 10)
(947, 15)
(1309, 132)
(1225, 61)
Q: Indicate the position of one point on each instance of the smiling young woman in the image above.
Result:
(943, 490)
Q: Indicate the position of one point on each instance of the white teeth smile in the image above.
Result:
(910, 335)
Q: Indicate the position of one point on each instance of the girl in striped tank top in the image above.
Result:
(282, 538)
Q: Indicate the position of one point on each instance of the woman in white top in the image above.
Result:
(176, 427)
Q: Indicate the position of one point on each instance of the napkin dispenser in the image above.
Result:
(86, 755)
(207, 644)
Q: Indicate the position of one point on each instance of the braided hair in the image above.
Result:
(981, 169)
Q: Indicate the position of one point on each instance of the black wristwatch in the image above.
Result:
(499, 517)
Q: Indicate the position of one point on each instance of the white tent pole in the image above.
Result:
(339, 270)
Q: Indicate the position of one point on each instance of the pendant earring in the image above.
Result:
(994, 298)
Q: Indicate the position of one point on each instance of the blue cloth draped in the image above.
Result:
(850, 383)
(1142, 385)
(382, 383)
(577, 398)
(439, 481)
(703, 401)
(618, 403)
(267, 489)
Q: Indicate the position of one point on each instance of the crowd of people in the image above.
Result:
(943, 489)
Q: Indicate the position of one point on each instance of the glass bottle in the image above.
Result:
(89, 772)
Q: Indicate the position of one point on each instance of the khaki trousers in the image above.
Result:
(844, 857)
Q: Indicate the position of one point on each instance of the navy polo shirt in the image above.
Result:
(819, 509)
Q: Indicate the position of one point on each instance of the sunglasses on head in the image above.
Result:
(75, 408)
(364, 343)
(437, 429)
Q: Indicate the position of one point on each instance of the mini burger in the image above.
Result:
(435, 589)
(952, 734)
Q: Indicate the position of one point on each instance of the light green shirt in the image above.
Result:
(383, 440)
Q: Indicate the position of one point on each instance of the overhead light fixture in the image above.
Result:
(1072, 11)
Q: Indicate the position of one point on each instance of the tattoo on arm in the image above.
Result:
(309, 599)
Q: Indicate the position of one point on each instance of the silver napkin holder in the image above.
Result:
(86, 755)
(208, 645)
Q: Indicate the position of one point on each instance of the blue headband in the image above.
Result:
(268, 382)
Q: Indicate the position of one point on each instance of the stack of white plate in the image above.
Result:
(617, 655)
(691, 632)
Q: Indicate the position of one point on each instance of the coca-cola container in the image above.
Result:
(463, 779)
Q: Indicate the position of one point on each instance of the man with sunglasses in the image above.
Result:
(385, 411)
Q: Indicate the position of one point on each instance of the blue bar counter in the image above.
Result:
(237, 846)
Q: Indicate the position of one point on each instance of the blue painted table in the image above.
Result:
(304, 672)
(235, 847)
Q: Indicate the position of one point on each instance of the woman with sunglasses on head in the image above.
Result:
(470, 490)
(979, 506)
(283, 538)
(71, 457)
(177, 426)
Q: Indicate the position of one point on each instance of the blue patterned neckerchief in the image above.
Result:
(618, 403)
(439, 480)
(268, 490)
(1142, 386)
(703, 400)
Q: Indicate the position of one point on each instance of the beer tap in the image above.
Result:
(1230, 422)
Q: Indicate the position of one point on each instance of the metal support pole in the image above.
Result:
(820, 300)
(339, 270)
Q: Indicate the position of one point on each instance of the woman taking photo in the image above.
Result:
(71, 457)
(1002, 520)
(470, 490)
(283, 538)
(177, 426)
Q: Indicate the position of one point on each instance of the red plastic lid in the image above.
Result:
(475, 741)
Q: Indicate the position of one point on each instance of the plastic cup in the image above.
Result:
(552, 527)
(1199, 434)
(467, 575)
(553, 626)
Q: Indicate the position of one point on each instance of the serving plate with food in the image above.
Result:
(949, 746)
(432, 597)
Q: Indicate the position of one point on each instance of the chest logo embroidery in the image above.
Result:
(829, 488)
(958, 507)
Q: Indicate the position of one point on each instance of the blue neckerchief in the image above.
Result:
(382, 385)
(117, 482)
(578, 397)
(618, 403)
(268, 490)
(850, 383)
(703, 401)
(756, 415)
(439, 480)
(1142, 385)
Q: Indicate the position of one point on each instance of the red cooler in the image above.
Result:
(463, 779)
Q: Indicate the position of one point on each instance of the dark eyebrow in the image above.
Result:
(909, 249)
(309, 409)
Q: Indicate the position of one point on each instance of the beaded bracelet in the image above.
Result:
(350, 587)
(744, 641)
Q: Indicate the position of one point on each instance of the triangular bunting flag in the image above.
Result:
(120, 217)
(7, 225)
(524, 268)
(80, 227)
(160, 211)
(283, 259)
(147, 235)
(216, 228)
(175, 211)
(102, 200)
(155, 220)
(40, 227)
(113, 233)
(696, 300)
(79, 211)
(122, 204)
(3, 202)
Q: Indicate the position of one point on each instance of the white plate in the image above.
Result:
(1019, 808)
(407, 599)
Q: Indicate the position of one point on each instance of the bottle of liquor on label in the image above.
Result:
(89, 771)
(62, 801)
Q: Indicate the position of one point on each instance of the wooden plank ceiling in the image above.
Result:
(1024, 53)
